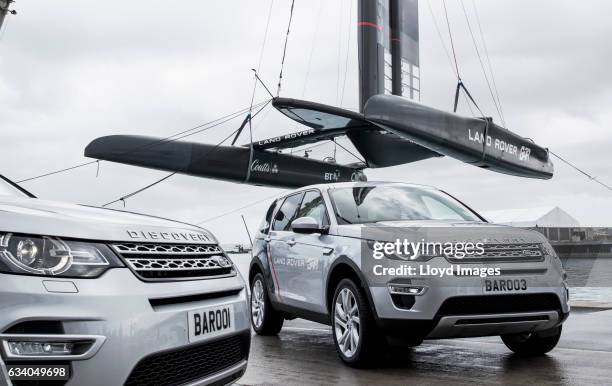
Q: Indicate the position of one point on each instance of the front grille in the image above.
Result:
(499, 304)
(517, 252)
(191, 363)
(174, 261)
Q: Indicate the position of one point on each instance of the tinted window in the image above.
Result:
(395, 203)
(313, 206)
(287, 212)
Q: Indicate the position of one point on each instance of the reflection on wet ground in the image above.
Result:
(303, 353)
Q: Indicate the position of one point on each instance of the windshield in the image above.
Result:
(7, 188)
(370, 204)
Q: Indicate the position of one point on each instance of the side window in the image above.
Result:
(264, 227)
(287, 212)
(313, 206)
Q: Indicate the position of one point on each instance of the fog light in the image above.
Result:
(406, 289)
(40, 348)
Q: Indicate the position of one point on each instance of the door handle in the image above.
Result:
(328, 251)
(291, 242)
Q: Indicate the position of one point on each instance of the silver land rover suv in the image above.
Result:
(93, 296)
(314, 258)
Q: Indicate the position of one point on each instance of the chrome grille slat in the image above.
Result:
(151, 261)
(511, 252)
(183, 249)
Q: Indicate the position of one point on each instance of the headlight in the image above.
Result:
(51, 256)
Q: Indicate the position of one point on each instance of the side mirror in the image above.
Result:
(307, 225)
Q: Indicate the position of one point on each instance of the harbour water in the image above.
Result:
(589, 278)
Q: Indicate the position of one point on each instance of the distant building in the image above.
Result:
(532, 217)
(560, 228)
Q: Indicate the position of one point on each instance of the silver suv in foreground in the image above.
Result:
(317, 256)
(93, 296)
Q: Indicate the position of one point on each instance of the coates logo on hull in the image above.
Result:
(264, 167)
(168, 236)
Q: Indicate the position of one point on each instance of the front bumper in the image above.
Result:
(117, 309)
(460, 307)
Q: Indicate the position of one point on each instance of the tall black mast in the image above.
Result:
(371, 49)
(388, 48)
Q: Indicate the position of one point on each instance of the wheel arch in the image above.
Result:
(255, 268)
(345, 268)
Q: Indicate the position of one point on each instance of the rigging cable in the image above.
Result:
(590, 177)
(255, 81)
(280, 75)
(448, 56)
(298, 149)
(57, 171)
(202, 157)
(348, 48)
(460, 84)
(312, 47)
(338, 60)
(261, 53)
(174, 137)
(482, 66)
(237, 209)
(450, 35)
(350, 152)
(486, 51)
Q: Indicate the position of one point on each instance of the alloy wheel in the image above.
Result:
(347, 322)
(257, 304)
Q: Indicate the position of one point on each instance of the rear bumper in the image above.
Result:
(116, 310)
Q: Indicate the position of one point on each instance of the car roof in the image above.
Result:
(357, 184)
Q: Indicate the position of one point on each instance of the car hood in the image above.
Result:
(41, 217)
(433, 230)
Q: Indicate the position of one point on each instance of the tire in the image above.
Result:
(357, 339)
(533, 344)
(264, 318)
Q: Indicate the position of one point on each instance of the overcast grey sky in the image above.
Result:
(72, 71)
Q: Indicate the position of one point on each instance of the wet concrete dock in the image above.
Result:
(303, 353)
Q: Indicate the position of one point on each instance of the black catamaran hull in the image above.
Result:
(471, 140)
(227, 163)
